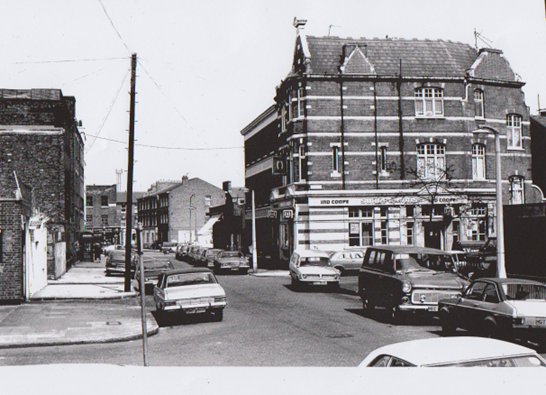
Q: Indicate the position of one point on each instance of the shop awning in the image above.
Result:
(206, 229)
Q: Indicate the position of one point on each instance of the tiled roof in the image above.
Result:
(540, 119)
(420, 58)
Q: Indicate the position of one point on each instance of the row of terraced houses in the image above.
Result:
(382, 141)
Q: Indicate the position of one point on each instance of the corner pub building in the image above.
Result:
(381, 141)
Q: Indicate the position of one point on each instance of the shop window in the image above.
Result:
(360, 234)
(384, 232)
(513, 123)
(478, 162)
(429, 102)
(431, 161)
(517, 190)
(479, 104)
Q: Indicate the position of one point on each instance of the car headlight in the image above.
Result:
(303, 276)
(170, 302)
(406, 287)
(219, 299)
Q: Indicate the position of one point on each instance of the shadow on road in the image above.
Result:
(408, 319)
(319, 289)
(179, 319)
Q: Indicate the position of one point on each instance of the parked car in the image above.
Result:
(207, 257)
(347, 260)
(193, 254)
(505, 308)
(407, 279)
(312, 267)
(190, 291)
(181, 251)
(460, 351)
(231, 261)
(153, 267)
(113, 247)
(115, 262)
(168, 247)
(483, 262)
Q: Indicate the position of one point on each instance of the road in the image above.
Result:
(266, 323)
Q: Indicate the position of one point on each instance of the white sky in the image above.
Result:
(208, 68)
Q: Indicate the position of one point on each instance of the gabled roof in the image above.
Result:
(121, 197)
(419, 58)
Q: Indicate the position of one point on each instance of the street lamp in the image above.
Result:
(189, 209)
(254, 253)
(501, 265)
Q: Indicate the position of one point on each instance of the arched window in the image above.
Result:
(517, 189)
(513, 123)
(429, 102)
(479, 109)
(478, 162)
(431, 161)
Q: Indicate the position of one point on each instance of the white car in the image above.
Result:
(460, 351)
(312, 267)
(190, 291)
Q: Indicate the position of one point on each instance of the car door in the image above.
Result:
(470, 306)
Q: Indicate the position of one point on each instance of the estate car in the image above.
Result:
(312, 267)
(407, 279)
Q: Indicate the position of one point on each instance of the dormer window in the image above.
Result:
(429, 102)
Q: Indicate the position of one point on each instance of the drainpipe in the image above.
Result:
(342, 132)
(401, 126)
(376, 137)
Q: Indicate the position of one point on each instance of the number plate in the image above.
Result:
(541, 321)
(233, 269)
(432, 308)
(197, 310)
(320, 282)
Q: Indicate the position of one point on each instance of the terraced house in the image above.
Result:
(387, 141)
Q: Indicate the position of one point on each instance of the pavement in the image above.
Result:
(83, 306)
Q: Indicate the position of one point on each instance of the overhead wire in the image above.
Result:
(114, 100)
(114, 26)
(164, 147)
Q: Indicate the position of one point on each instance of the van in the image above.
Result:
(407, 279)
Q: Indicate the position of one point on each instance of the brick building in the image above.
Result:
(39, 139)
(227, 220)
(176, 210)
(380, 141)
(122, 212)
(101, 212)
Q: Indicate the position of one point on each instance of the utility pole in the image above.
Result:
(129, 211)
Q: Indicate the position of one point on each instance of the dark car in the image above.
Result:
(498, 307)
(153, 267)
(407, 279)
(483, 262)
(231, 261)
(115, 262)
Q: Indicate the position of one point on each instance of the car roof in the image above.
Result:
(187, 270)
(440, 350)
(509, 280)
(409, 249)
(305, 253)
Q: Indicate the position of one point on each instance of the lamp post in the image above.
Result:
(501, 265)
(254, 252)
(189, 209)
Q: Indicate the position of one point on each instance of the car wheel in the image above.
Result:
(159, 307)
(490, 330)
(448, 326)
(218, 315)
(341, 270)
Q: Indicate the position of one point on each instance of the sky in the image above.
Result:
(206, 69)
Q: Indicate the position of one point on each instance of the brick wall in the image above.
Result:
(11, 251)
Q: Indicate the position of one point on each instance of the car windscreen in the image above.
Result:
(505, 362)
(315, 261)
(424, 262)
(178, 280)
(231, 254)
(523, 291)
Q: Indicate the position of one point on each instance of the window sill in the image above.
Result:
(520, 149)
(335, 174)
(430, 116)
